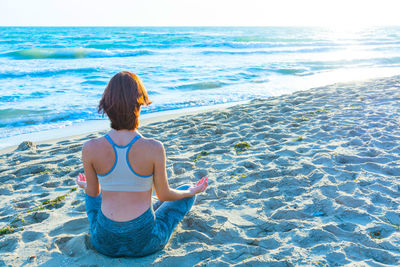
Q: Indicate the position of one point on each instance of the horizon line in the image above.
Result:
(191, 26)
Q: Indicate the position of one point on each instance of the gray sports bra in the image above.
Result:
(122, 177)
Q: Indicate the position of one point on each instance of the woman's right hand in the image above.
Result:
(200, 186)
(81, 181)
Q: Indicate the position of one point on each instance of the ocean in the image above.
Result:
(52, 78)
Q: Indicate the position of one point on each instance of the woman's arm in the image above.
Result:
(161, 186)
(92, 184)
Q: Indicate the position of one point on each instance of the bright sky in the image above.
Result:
(343, 13)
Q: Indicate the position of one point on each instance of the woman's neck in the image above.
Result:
(123, 131)
(123, 136)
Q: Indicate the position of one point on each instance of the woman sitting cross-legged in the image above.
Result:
(120, 171)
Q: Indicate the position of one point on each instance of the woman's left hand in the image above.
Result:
(81, 181)
(200, 186)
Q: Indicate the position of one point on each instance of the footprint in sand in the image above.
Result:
(25, 158)
(380, 231)
(354, 216)
(76, 226)
(78, 206)
(73, 245)
(393, 218)
(348, 227)
(52, 184)
(315, 236)
(8, 244)
(68, 182)
(42, 178)
(336, 259)
(24, 204)
(45, 194)
(273, 204)
(6, 190)
(35, 217)
(350, 201)
(74, 148)
(29, 236)
(360, 252)
(19, 186)
(70, 162)
(33, 169)
(182, 167)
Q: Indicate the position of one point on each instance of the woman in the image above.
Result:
(120, 170)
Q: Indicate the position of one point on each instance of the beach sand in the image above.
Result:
(311, 178)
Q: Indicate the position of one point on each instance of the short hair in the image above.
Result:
(121, 100)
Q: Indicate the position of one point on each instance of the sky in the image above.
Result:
(340, 13)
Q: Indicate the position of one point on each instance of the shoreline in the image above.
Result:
(298, 83)
(309, 178)
(83, 129)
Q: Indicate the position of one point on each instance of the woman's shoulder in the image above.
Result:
(94, 144)
(152, 149)
(151, 143)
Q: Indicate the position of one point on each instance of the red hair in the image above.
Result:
(122, 99)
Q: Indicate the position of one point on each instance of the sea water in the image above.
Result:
(53, 77)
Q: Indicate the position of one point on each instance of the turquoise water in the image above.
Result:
(53, 77)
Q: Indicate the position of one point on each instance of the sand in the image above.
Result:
(311, 178)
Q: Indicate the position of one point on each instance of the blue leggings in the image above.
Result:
(139, 237)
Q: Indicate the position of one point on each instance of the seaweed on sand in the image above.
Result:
(12, 227)
(202, 154)
(241, 147)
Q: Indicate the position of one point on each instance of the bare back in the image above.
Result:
(120, 205)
